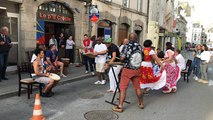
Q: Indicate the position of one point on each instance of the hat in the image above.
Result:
(108, 40)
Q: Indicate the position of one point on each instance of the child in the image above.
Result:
(156, 67)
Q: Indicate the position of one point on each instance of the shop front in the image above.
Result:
(54, 18)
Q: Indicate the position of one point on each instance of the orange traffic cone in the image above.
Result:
(37, 112)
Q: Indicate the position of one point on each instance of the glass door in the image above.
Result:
(13, 25)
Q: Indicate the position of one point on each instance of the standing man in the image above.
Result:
(100, 51)
(5, 45)
(87, 46)
(125, 41)
(113, 56)
(132, 57)
(61, 46)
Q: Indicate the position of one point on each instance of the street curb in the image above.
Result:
(63, 82)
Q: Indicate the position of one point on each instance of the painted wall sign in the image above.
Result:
(55, 17)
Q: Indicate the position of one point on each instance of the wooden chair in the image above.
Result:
(29, 81)
(186, 71)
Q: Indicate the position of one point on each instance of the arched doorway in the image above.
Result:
(123, 32)
(54, 18)
(105, 28)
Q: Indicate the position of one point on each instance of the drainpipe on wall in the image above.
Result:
(147, 22)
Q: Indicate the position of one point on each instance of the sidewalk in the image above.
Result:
(9, 88)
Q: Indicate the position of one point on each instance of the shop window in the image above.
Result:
(126, 3)
(54, 7)
(139, 6)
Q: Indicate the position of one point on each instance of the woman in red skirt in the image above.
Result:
(148, 79)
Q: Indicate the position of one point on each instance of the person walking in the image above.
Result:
(172, 70)
(205, 57)
(5, 45)
(196, 63)
(131, 55)
(87, 46)
(100, 51)
(53, 41)
(70, 49)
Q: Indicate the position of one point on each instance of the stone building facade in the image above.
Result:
(37, 20)
(160, 25)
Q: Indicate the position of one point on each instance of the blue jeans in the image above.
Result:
(196, 63)
(87, 60)
(3, 64)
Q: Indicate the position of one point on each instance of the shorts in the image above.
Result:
(100, 67)
(128, 75)
(44, 80)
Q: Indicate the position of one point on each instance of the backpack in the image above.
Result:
(136, 59)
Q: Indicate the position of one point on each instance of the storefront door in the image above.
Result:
(14, 35)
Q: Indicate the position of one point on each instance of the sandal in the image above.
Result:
(117, 109)
(145, 93)
(141, 106)
(110, 90)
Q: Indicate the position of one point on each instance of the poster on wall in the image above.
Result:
(107, 32)
(40, 32)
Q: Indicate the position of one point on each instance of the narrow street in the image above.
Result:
(72, 101)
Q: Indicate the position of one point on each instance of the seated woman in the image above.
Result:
(43, 77)
(148, 79)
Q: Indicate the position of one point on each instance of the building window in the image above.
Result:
(54, 7)
(126, 3)
(139, 6)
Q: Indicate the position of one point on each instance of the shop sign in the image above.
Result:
(55, 17)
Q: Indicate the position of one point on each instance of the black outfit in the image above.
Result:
(61, 50)
(4, 50)
(113, 48)
(70, 54)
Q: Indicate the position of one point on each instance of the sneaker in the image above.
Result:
(92, 73)
(196, 78)
(86, 72)
(62, 75)
(103, 82)
(97, 82)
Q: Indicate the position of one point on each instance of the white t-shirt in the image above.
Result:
(99, 48)
(205, 56)
(181, 62)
